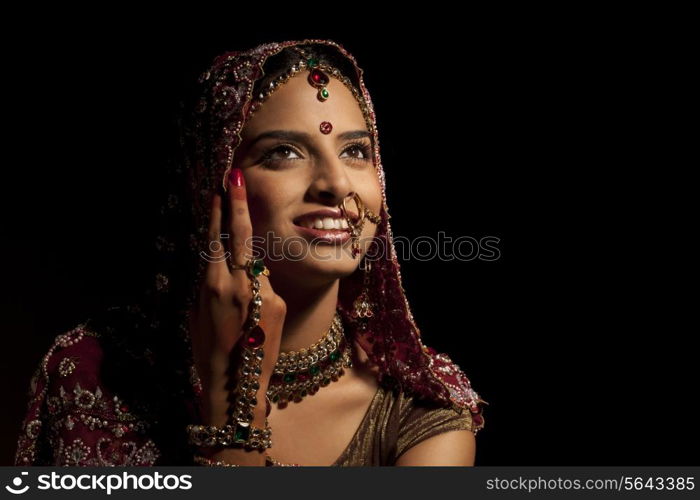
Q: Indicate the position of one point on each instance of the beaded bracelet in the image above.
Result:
(242, 434)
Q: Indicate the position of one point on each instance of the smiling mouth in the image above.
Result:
(324, 223)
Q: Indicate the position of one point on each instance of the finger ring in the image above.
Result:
(253, 267)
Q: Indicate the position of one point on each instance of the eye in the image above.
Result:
(284, 151)
(279, 154)
(359, 150)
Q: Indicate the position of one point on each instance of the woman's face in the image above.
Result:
(292, 169)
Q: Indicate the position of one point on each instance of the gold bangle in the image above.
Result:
(212, 463)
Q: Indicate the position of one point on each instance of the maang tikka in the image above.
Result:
(319, 77)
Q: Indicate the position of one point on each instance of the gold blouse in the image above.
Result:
(393, 423)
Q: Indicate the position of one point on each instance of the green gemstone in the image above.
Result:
(314, 369)
(241, 434)
(289, 377)
(312, 62)
(275, 398)
(334, 355)
(324, 93)
(258, 266)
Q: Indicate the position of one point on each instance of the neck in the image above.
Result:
(310, 312)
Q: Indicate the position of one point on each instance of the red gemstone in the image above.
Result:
(255, 337)
(302, 377)
(326, 127)
(318, 77)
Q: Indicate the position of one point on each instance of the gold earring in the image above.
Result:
(362, 307)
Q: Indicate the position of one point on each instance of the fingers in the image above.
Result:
(215, 253)
(239, 217)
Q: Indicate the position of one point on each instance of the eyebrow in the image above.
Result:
(293, 135)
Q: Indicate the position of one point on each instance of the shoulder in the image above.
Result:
(423, 415)
(427, 424)
(73, 354)
(77, 352)
(72, 418)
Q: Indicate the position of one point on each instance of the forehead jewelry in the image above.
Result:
(326, 127)
(319, 77)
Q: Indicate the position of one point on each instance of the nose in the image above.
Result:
(330, 184)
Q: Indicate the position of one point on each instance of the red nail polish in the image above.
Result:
(235, 177)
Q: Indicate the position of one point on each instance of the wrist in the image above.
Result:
(234, 437)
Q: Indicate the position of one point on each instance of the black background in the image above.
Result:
(490, 125)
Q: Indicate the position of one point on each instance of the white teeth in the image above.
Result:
(324, 223)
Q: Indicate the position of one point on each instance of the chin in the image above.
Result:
(331, 262)
(323, 266)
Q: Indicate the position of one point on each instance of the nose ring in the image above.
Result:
(356, 228)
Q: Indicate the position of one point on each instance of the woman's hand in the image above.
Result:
(217, 320)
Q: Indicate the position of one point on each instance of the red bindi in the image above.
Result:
(326, 127)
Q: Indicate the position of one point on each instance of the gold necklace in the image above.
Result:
(298, 374)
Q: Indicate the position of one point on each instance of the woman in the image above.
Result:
(281, 163)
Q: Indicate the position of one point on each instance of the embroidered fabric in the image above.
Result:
(72, 420)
